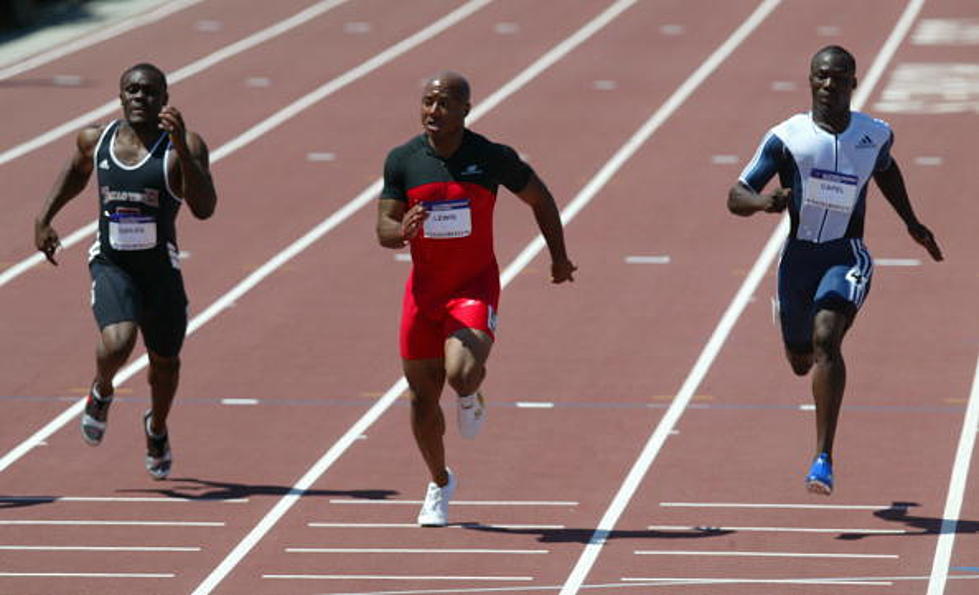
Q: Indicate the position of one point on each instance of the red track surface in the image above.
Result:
(314, 343)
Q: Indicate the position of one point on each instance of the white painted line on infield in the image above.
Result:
(228, 299)
(406, 550)
(80, 43)
(382, 404)
(97, 548)
(737, 305)
(460, 502)
(702, 529)
(580, 571)
(956, 491)
(775, 506)
(395, 577)
(749, 554)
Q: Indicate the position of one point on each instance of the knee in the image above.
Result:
(118, 340)
(164, 368)
(826, 345)
(466, 381)
(423, 409)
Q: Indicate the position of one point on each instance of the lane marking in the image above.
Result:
(233, 401)
(946, 32)
(750, 554)
(897, 262)
(395, 577)
(97, 548)
(460, 502)
(366, 197)
(704, 528)
(534, 405)
(118, 499)
(86, 522)
(228, 299)
(668, 421)
(665, 259)
(258, 82)
(88, 574)
(758, 581)
(405, 550)
(928, 161)
(807, 407)
(956, 490)
(70, 47)
(724, 159)
(828, 31)
(321, 157)
(717, 339)
(784, 86)
(777, 506)
(316, 525)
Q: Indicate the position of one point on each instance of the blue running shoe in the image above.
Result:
(819, 480)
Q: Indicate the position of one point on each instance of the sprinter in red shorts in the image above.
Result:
(439, 193)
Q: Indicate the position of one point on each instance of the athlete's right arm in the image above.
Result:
(69, 184)
(745, 197)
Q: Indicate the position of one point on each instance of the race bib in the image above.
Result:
(831, 190)
(128, 231)
(448, 219)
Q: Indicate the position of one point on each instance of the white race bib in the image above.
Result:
(831, 190)
(448, 219)
(131, 232)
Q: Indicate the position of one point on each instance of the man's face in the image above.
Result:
(143, 96)
(443, 110)
(832, 81)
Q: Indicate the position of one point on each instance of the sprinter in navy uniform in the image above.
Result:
(147, 164)
(824, 160)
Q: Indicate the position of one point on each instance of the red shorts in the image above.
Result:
(425, 329)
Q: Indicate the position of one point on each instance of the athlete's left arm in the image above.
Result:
(891, 184)
(536, 194)
(193, 171)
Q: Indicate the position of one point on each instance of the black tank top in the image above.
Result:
(137, 210)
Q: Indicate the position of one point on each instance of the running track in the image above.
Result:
(626, 450)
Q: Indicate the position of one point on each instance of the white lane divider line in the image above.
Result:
(408, 550)
(87, 575)
(93, 523)
(662, 259)
(395, 577)
(775, 506)
(97, 548)
(512, 526)
(704, 528)
(534, 405)
(119, 499)
(368, 196)
(757, 581)
(239, 401)
(897, 262)
(228, 299)
(741, 299)
(459, 502)
(750, 554)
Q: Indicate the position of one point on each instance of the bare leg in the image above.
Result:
(115, 344)
(829, 375)
(426, 377)
(466, 352)
(164, 376)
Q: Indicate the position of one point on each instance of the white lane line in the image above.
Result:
(527, 75)
(631, 484)
(406, 550)
(776, 505)
(534, 405)
(749, 554)
(96, 37)
(730, 316)
(97, 548)
(119, 499)
(517, 527)
(807, 407)
(647, 259)
(87, 574)
(228, 299)
(897, 262)
(757, 581)
(395, 577)
(175, 77)
(91, 523)
(231, 401)
(956, 490)
(704, 528)
(460, 502)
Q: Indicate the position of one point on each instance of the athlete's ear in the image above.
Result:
(466, 112)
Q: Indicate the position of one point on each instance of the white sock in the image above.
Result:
(467, 401)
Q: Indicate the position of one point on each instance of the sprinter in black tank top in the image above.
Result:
(148, 163)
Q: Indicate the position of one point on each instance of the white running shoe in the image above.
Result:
(470, 414)
(435, 509)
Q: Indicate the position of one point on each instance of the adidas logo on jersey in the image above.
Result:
(104, 164)
(866, 143)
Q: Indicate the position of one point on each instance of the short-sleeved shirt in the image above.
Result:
(828, 173)
(455, 245)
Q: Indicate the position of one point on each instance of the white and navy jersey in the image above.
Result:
(828, 173)
(137, 208)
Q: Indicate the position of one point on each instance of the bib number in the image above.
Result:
(448, 219)
(129, 232)
(831, 190)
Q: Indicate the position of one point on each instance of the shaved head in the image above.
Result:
(835, 53)
(452, 82)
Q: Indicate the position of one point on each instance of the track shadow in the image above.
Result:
(921, 525)
(204, 489)
(583, 536)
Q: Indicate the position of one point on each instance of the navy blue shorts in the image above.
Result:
(811, 277)
(153, 297)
